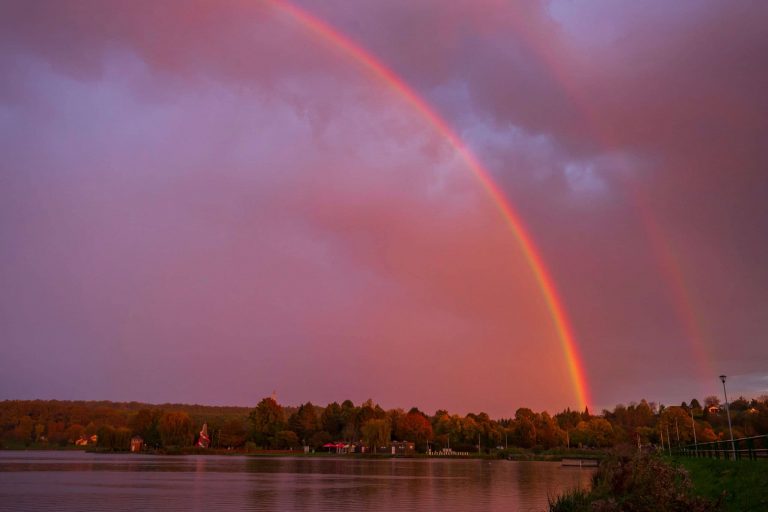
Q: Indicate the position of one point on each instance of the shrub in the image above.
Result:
(635, 484)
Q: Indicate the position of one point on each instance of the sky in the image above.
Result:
(210, 202)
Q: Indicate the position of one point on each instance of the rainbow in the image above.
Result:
(511, 217)
(680, 296)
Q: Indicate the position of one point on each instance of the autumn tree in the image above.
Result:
(320, 438)
(548, 433)
(415, 427)
(233, 433)
(524, 432)
(680, 424)
(642, 414)
(568, 419)
(74, 432)
(286, 439)
(395, 416)
(469, 434)
(176, 429)
(106, 437)
(267, 419)
(332, 420)
(145, 424)
(740, 404)
(56, 433)
(24, 430)
(304, 422)
(368, 411)
(121, 440)
(349, 417)
(376, 433)
(39, 432)
(524, 412)
(446, 429)
(596, 432)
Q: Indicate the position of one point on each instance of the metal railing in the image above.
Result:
(752, 448)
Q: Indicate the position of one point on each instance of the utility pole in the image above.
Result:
(693, 426)
(661, 435)
(728, 411)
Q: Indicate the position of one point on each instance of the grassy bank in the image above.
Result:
(739, 486)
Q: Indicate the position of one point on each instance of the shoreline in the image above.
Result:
(517, 456)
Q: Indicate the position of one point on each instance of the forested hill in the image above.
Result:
(53, 423)
(68, 407)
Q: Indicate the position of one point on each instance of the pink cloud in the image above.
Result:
(191, 189)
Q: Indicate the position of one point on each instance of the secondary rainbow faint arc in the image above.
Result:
(530, 252)
(680, 294)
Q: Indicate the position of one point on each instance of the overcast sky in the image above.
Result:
(208, 202)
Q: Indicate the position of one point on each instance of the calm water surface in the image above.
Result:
(68, 481)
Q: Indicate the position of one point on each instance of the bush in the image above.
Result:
(575, 501)
(286, 439)
(635, 484)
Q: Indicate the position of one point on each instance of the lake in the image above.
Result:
(69, 481)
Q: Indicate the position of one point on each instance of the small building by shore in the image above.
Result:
(137, 444)
(403, 448)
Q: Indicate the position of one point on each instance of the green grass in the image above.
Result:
(738, 485)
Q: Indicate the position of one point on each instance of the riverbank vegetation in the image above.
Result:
(271, 426)
(636, 483)
(651, 481)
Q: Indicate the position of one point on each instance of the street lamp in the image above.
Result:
(728, 412)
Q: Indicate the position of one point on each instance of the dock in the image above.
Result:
(581, 463)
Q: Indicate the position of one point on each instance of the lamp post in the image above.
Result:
(728, 412)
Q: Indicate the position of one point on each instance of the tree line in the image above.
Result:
(270, 425)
